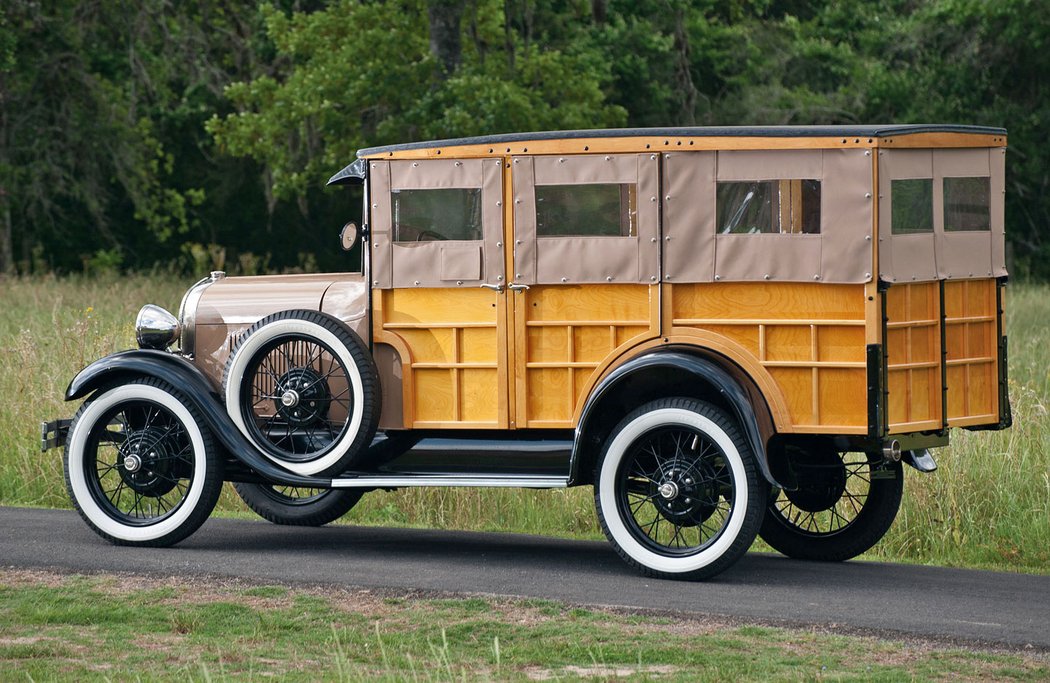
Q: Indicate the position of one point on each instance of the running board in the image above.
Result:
(391, 481)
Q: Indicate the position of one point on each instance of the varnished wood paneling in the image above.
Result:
(808, 338)
(970, 331)
(455, 370)
(565, 333)
(913, 353)
(681, 143)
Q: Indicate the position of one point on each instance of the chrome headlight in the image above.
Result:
(155, 328)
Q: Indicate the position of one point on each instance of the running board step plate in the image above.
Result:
(383, 481)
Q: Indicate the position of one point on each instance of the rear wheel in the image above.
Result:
(677, 490)
(140, 466)
(297, 506)
(844, 504)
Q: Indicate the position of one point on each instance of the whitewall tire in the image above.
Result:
(677, 490)
(140, 466)
(302, 387)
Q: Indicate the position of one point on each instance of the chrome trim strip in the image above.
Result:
(380, 481)
(188, 311)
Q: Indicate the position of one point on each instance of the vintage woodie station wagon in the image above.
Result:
(727, 332)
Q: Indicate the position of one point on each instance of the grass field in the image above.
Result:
(987, 506)
(76, 628)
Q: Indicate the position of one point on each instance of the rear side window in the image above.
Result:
(434, 215)
(598, 210)
(912, 202)
(768, 206)
(967, 204)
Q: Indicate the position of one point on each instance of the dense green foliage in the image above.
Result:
(201, 133)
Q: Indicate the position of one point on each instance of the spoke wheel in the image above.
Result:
(139, 466)
(297, 506)
(844, 504)
(297, 398)
(302, 387)
(677, 490)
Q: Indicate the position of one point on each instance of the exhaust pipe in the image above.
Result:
(891, 450)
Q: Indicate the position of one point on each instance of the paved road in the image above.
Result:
(963, 606)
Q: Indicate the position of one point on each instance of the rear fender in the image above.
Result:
(705, 376)
(198, 389)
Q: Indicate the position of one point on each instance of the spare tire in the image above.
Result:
(302, 387)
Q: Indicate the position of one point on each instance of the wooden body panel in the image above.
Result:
(970, 330)
(477, 358)
(913, 357)
(915, 351)
(666, 143)
(809, 339)
(452, 370)
(565, 335)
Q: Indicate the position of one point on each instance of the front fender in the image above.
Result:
(703, 370)
(198, 390)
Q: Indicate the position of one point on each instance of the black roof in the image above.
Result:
(868, 131)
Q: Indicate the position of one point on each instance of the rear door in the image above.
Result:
(585, 283)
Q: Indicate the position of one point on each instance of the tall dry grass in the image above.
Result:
(987, 506)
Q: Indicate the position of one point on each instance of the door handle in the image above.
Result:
(494, 288)
(517, 288)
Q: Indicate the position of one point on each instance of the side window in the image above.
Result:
(436, 222)
(586, 218)
(911, 200)
(768, 207)
(436, 215)
(603, 210)
(967, 204)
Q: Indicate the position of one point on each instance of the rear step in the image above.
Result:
(383, 481)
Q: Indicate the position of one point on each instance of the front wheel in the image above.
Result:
(140, 466)
(844, 504)
(678, 493)
(297, 506)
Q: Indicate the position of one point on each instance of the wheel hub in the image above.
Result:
(669, 490)
(304, 397)
(686, 494)
(147, 461)
(132, 463)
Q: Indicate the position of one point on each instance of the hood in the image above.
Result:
(244, 300)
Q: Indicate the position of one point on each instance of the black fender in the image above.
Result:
(197, 388)
(703, 370)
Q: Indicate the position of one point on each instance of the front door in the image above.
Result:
(438, 307)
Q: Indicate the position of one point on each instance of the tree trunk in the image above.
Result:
(683, 73)
(7, 258)
(508, 35)
(445, 45)
(599, 9)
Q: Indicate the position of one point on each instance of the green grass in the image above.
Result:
(55, 627)
(987, 506)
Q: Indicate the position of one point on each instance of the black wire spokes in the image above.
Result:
(297, 397)
(139, 463)
(675, 490)
(294, 495)
(838, 514)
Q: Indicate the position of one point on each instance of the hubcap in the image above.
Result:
(290, 399)
(668, 490)
(132, 463)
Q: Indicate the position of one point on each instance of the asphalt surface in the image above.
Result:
(954, 605)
